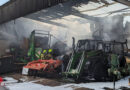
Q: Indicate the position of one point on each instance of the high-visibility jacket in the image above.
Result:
(46, 53)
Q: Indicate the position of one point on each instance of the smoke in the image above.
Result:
(127, 30)
(63, 24)
(126, 19)
(7, 36)
(109, 28)
(6, 40)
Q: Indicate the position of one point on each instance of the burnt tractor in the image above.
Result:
(97, 60)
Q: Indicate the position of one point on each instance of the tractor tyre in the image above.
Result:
(100, 72)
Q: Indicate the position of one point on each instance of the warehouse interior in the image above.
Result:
(65, 44)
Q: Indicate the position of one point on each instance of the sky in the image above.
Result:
(3, 1)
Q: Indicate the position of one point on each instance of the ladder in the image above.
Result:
(70, 70)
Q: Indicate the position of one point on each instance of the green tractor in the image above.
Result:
(40, 46)
(85, 49)
(118, 65)
(97, 60)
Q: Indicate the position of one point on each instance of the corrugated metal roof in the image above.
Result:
(18, 8)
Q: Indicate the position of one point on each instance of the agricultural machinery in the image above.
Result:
(90, 59)
(41, 57)
(98, 60)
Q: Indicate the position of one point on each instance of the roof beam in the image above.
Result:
(125, 2)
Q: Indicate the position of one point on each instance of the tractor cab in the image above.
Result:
(116, 47)
(40, 46)
(39, 42)
(88, 45)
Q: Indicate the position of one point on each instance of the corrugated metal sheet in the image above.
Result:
(17, 8)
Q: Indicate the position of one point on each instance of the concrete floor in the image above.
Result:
(48, 82)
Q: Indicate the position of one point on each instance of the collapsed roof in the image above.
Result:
(18, 8)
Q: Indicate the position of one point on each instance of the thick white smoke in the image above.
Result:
(64, 24)
(110, 28)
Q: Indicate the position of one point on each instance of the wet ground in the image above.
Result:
(51, 82)
(122, 88)
(38, 80)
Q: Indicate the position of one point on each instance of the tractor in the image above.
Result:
(41, 57)
(97, 60)
(117, 59)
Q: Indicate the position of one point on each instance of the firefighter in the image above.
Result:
(47, 54)
(43, 54)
